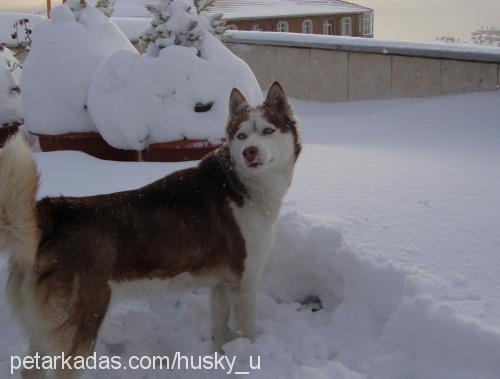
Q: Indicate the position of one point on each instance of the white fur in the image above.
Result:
(266, 186)
(18, 186)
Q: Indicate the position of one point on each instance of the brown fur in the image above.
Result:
(179, 224)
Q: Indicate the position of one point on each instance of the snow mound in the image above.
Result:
(370, 319)
(139, 100)
(65, 53)
(10, 77)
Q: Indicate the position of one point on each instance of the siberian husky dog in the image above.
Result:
(210, 225)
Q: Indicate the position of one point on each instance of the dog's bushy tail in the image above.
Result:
(19, 233)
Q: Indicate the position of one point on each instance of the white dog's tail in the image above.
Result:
(19, 233)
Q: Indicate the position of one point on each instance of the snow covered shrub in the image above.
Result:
(177, 22)
(76, 6)
(22, 33)
(65, 53)
(10, 98)
(106, 6)
(179, 90)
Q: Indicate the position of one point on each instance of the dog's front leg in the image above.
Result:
(220, 307)
(245, 311)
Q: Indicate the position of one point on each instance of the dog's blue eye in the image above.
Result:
(241, 136)
(268, 131)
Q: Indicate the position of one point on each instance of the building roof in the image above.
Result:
(251, 9)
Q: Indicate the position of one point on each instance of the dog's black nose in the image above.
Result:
(251, 153)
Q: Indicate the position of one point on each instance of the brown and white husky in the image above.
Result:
(210, 225)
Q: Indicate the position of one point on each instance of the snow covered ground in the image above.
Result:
(392, 221)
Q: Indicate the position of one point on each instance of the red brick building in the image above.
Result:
(334, 17)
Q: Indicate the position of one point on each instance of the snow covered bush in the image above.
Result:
(10, 98)
(106, 6)
(179, 90)
(65, 53)
(22, 33)
(177, 22)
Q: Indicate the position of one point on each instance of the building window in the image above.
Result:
(366, 24)
(346, 26)
(232, 27)
(307, 27)
(327, 28)
(258, 28)
(282, 26)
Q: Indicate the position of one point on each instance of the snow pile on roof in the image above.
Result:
(7, 21)
(241, 9)
(65, 53)
(10, 77)
(139, 100)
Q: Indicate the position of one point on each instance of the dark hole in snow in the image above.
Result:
(311, 302)
(201, 107)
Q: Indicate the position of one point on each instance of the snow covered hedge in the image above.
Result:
(10, 98)
(179, 90)
(66, 51)
(139, 100)
(83, 75)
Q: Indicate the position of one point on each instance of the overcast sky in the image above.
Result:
(417, 20)
(423, 20)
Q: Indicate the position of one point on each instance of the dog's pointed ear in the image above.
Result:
(237, 102)
(277, 100)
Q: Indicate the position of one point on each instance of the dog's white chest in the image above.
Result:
(256, 226)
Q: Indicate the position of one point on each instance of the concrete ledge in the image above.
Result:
(354, 70)
(366, 45)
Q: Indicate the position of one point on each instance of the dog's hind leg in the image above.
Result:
(79, 338)
(220, 307)
(73, 325)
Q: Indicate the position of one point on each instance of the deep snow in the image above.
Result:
(392, 221)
